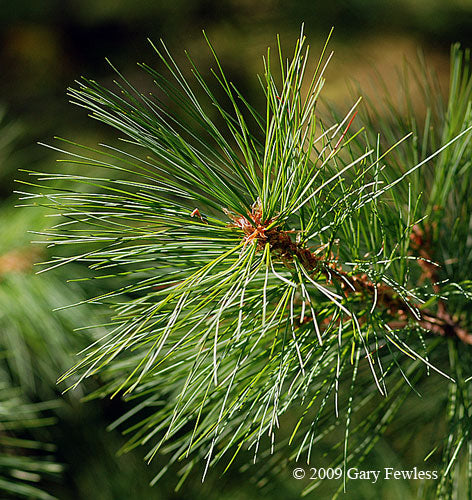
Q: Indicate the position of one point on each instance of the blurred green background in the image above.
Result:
(44, 47)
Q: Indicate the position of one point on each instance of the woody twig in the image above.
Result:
(440, 322)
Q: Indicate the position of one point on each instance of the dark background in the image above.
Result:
(46, 45)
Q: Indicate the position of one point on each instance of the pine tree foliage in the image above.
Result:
(444, 237)
(269, 264)
(36, 345)
(35, 348)
(46, 447)
(24, 459)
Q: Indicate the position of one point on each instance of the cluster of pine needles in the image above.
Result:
(274, 269)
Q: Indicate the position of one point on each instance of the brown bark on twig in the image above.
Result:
(281, 243)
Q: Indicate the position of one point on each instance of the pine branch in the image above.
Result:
(262, 232)
(222, 310)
